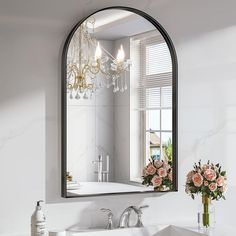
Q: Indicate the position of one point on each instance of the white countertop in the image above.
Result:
(217, 231)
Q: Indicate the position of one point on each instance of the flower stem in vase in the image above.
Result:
(205, 216)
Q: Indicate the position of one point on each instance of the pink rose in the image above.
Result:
(144, 172)
(197, 179)
(220, 181)
(170, 177)
(223, 189)
(150, 170)
(210, 174)
(162, 172)
(165, 162)
(166, 165)
(156, 181)
(198, 170)
(158, 163)
(206, 183)
(213, 187)
(187, 190)
(205, 167)
(189, 176)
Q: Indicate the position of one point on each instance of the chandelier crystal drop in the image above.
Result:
(90, 67)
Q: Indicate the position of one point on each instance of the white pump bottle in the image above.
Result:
(38, 221)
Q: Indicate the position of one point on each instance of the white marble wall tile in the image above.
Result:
(81, 150)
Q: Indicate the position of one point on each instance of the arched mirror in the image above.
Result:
(119, 106)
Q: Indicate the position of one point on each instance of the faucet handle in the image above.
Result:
(143, 207)
(107, 210)
(139, 212)
(110, 217)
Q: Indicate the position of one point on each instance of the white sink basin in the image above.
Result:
(158, 230)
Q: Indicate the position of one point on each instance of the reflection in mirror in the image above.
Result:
(118, 109)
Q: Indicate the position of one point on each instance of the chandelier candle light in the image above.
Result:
(90, 66)
(210, 181)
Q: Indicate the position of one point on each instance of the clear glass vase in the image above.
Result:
(206, 214)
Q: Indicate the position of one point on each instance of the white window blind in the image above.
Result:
(156, 98)
(155, 84)
(157, 59)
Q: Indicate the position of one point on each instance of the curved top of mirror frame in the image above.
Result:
(172, 51)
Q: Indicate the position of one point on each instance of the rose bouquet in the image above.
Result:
(210, 181)
(158, 173)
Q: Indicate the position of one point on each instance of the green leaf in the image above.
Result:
(223, 173)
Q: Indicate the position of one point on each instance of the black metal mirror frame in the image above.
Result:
(174, 103)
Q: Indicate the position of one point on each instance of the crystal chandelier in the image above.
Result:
(90, 66)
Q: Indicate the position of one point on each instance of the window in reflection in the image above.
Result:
(157, 99)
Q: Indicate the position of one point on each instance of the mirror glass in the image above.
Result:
(119, 110)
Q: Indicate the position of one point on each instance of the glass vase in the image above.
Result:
(206, 214)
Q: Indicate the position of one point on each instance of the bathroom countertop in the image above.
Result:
(217, 231)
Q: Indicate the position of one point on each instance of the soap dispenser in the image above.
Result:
(38, 221)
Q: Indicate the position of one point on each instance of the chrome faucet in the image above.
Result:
(125, 216)
(102, 175)
(139, 213)
(99, 167)
(110, 218)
